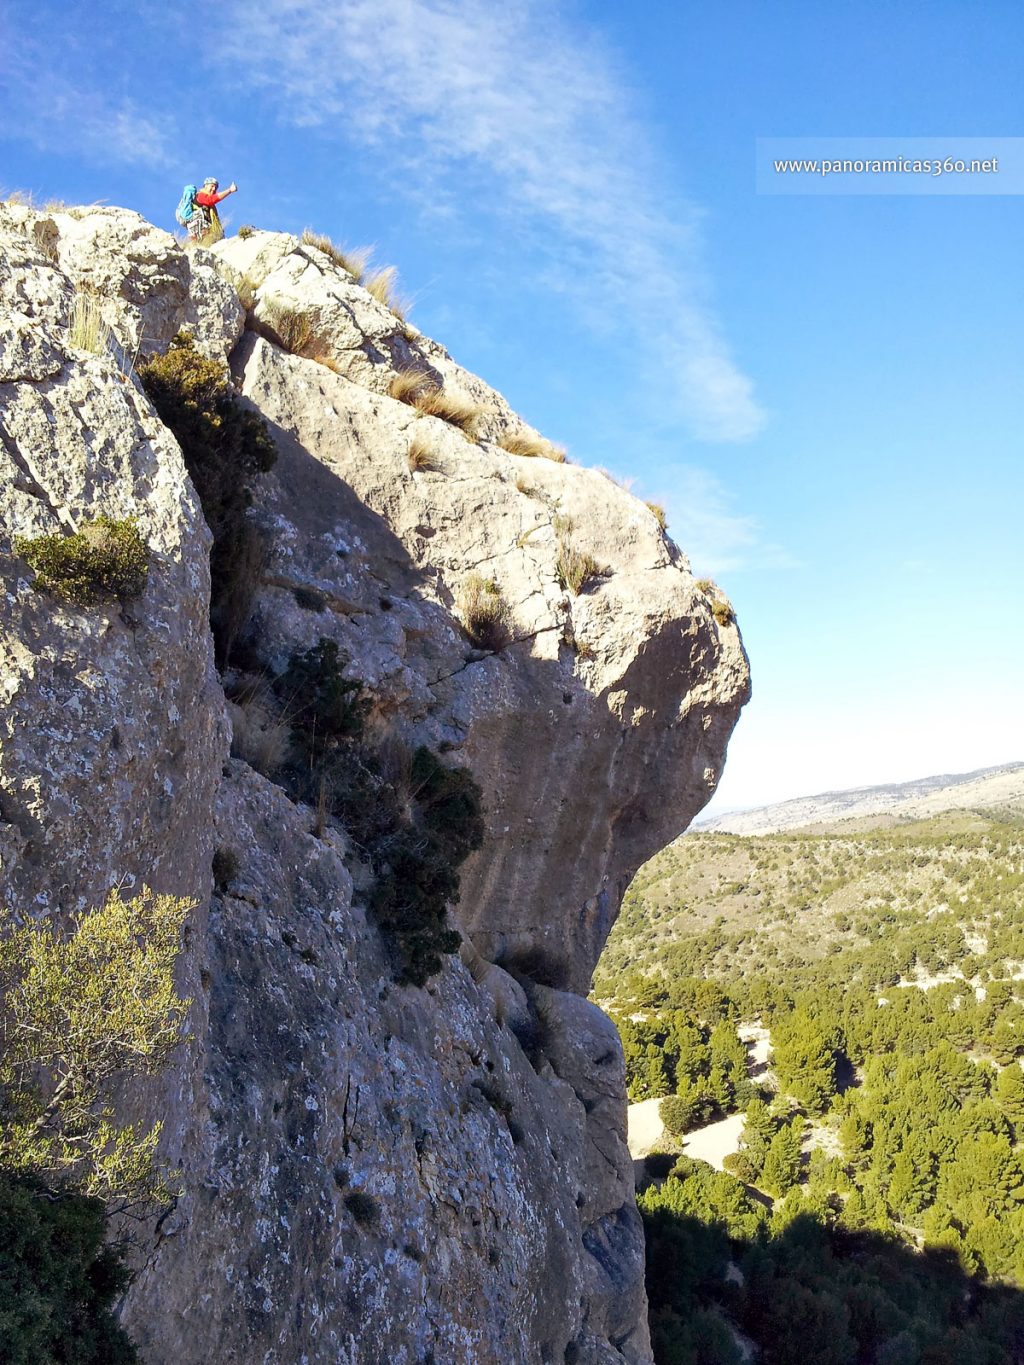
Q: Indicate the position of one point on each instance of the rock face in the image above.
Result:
(371, 1172)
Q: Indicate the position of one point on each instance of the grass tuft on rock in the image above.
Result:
(421, 456)
(421, 390)
(521, 443)
(575, 568)
(484, 612)
(87, 329)
(352, 261)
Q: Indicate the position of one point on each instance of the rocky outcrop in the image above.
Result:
(371, 1173)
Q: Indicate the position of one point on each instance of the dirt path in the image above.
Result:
(716, 1141)
(644, 1128)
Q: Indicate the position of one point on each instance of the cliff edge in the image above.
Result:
(372, 1172)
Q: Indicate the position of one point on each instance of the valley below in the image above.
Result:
(824, 1030)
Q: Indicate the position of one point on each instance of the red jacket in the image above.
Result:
(209, 200)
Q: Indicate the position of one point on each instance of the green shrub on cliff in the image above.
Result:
(104, 560)
(417, 868)
(81, 1011)
(226, 447)
(325, 705)
(59, 1281)
(411, 819)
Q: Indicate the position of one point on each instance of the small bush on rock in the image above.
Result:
(412, 819)
(226, 447)
(80, 1011)
(105, 560)
(417, 867)
(325, 705)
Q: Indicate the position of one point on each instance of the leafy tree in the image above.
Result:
(79, 1012)
(913, 1183)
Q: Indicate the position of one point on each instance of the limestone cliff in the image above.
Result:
(372, 1172)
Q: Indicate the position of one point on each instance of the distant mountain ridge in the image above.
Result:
(984, 788)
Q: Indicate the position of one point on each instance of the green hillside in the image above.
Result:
(849, 904)
(874, 1209)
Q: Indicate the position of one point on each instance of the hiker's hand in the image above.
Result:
(232, 188)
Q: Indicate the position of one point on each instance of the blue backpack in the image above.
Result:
(187, 207)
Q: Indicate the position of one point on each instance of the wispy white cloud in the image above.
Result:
(73, 112)
(511, 106)
(717, 539)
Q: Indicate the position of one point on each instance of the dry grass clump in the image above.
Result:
(528, 489)
(353, 261)
(520, 443)
(421, 391)
(290, 328)
(485, 614)
(620, 481)
(705, 585)
(658, 512)
(86, 329)
(421, 455)
(452, 408)
(246, 291)
(329, 363)
(382, 284)
(407, 385)
(574, 567)
(260, 734)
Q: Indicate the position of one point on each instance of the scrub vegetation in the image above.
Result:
(106, 560)
(226, 448)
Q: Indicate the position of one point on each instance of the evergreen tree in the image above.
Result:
(782, 1162)
(1009, 1094)
(804, 1061)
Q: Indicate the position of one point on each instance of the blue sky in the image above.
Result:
(825, 392)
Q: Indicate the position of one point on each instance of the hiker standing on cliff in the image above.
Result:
(204, 226)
